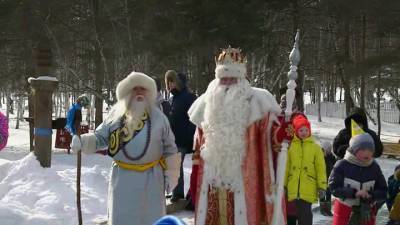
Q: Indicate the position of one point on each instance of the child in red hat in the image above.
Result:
(305, 179)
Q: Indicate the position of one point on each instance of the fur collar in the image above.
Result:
(261, 102)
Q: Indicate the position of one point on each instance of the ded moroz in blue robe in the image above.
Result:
(138, 198)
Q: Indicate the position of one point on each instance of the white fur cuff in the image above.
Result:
(172, 172)
(88, 143)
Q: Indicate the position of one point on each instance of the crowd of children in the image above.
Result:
(355, 179)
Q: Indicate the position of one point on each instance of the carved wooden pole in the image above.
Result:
(42, 90)
(294, 58)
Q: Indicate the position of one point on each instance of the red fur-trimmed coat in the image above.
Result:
(257, 180)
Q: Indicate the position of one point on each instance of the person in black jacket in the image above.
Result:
(341, 141)
(182, 128)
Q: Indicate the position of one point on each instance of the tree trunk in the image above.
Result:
(318, 91)
(20, 111)
(99, 86)
(130, 39)
(346, 82)
(318, 83)
(99, 80)
(362, 82)
(378, 92)
(66, 103)
(8, 105)
(378, 103)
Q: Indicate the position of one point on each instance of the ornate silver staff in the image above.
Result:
(294, 58)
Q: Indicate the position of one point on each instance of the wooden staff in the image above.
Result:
(78, 180)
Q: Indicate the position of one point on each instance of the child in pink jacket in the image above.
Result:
(3, 131)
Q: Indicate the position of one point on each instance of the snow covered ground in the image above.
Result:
(32, 195)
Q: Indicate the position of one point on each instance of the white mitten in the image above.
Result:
(172, 172)
(88, 143)
(76, 143)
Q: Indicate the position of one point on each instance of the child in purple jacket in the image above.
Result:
(3, 131)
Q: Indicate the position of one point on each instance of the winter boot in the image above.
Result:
(322, 207)
(189, 206)
(329, 208)
(325, 208)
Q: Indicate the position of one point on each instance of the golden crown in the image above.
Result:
(231, 56)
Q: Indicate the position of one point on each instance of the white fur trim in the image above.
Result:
(172, 172)
(262, 102)
(230, 70)
(278, 216)
(196, 111)
(271, 119)
(202, 205)
(135, 79)
(240, 209)
(88, 143)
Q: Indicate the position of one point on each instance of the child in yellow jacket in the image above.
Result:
(305, 179)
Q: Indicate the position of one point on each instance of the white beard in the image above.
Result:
(134, 114)
(225, 124)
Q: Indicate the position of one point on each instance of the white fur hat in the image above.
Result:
(135, 79)
(230, 70)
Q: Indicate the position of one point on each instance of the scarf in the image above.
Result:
(349, 157)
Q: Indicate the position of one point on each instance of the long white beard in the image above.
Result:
(134, 114)
(132, 109)
(225, 124)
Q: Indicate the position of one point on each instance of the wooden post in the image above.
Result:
(42, 90)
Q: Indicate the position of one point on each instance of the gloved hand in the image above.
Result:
(76, 143)
(277, 147)
(321, 194)
(365, 210)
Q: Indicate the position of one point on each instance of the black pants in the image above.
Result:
(304, 213)
(291, 220)
(179, 190)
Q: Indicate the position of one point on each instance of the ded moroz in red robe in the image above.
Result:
(253, 203)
